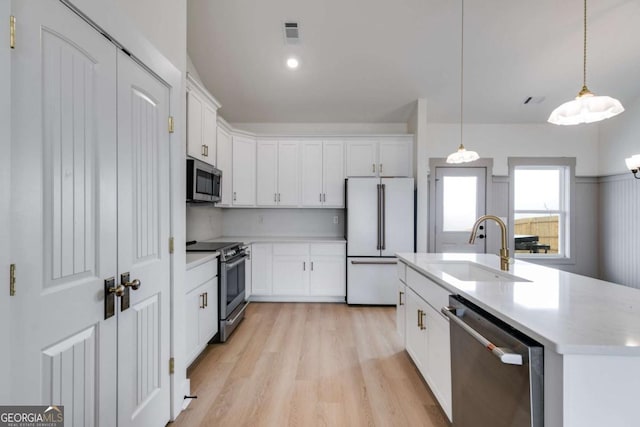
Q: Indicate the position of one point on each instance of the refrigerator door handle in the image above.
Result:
(379, 246)
(383, 209)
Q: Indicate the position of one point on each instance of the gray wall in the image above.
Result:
(587, 241)
(619, 229)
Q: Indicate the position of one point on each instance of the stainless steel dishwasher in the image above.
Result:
(496, 371)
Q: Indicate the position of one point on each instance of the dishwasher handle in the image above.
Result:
(505, 355)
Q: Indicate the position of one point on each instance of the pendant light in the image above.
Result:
(587, 107)
(462, 155)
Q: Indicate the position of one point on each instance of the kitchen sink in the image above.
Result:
(471, 272)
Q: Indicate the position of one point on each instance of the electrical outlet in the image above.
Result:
(335, 220)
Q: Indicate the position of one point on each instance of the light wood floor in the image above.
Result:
(292, 364)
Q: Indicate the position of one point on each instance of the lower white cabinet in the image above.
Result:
(401, 310)
(298, 271)
(426, 332)
(201, 308)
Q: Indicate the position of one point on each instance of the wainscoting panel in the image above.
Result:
(619, 228)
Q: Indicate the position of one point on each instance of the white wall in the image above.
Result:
(619, 139)
(322, 128)
(5, 188)
(282, 222)
(419, 127)
(500, 141)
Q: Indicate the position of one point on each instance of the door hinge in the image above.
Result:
(12, 280)
(172, 365)
(171, 124)
(12, 32)
(170, 245)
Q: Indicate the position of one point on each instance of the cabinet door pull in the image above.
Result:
(202, 152)
(275, 197)
(320, 197)
(234, 196)
(304, 266)
(324, 197)
(201, 300)
(278, 197)
(380, 168)
(422, 325)
(311, 265)
(400, 298)
(206, 299)
(419, 319)
(373, 168)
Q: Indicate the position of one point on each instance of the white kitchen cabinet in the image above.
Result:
(333, 174)
(290, 275)
(322, 169)
(416, 332)
(362, 158)
(401, 310)
(298, 271)
(261, 269)
(244, 171)
(248, 269)
(395, 157)
(277, 173)
(202, 113)
(426, 331)
(201, 307)
(224, 154)
(311, 173)
(327, 269)
(267, 173)
(288, 176)
(380, 157)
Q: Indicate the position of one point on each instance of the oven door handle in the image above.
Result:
(230, 322)
(234, 264)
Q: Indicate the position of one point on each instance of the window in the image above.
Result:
(540, 211)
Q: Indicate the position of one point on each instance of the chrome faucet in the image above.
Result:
(504, 250)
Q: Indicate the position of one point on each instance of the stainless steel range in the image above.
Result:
(231, 282)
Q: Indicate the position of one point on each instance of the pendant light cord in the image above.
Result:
(462, 74)
(584, 61)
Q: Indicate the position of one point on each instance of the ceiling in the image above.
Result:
(369, 60)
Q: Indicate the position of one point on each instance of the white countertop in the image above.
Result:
(278, 239)
(569, 313)
(194, 259)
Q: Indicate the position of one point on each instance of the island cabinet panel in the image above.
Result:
(426, 331)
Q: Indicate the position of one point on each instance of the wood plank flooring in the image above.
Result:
(294, 364)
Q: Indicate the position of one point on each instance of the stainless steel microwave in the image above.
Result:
(204, 182)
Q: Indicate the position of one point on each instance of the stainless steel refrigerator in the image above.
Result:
(380, 223)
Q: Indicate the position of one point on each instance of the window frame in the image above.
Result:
(566, 211)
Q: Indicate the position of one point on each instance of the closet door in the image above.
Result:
(63, 214)
(143, 246)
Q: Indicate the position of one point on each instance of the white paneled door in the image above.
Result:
(90, 201)
(143, 249)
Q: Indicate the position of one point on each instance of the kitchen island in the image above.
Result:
(590, 330)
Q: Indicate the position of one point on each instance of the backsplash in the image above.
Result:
(283, 222)
(204, 222)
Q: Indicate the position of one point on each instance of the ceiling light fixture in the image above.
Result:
(462, 155)
(587, 107)
(633, 164)
(292, 63)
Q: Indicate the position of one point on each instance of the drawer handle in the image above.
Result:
(400, 298)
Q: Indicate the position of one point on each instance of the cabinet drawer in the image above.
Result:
(432, 293)
(200, 274)
(291, 249)
(402, 271)
(327, 249)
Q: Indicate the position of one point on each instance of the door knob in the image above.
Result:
(118, 290)
(134, 284)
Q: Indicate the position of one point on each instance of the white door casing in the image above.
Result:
(143, 246)
(460, 199)
(63, 214)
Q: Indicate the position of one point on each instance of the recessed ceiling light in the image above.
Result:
(292, 63)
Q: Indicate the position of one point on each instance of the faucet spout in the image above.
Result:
(504, 250)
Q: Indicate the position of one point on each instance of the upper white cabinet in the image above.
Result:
(225, 164)
(277, 173)
(322, 170)
(244, 171)
(202, 112)
(380, 157)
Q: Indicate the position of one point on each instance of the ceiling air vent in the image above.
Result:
(291, 33)
(534, 100)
